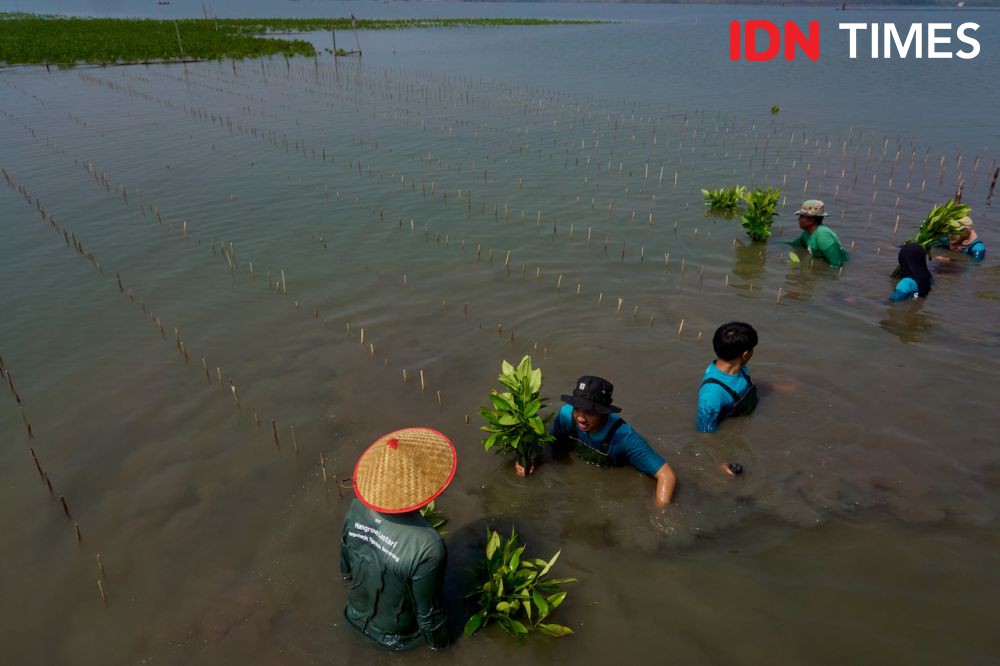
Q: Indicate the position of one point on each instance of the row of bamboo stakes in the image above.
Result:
(726, 276)
(726, 279)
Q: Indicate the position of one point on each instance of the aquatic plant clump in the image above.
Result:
(513, 591)
(41, 39)
(762, 208)
(724, 199)
(512, 420)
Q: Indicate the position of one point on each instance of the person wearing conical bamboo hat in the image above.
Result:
(392, 557)
(819, 239)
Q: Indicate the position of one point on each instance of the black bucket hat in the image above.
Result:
(593, 394)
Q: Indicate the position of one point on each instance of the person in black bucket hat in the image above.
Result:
(590, 424)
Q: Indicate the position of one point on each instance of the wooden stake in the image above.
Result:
(100, 567)
(295, 441)
(76, 530)
(422, 385)
(680, 329)
(440, 403)
(322, 465)
(274, 430)
(100, 587)
(65, 507)
(778, 299)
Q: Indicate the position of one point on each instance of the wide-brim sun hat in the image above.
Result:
(812, 208)
(404, 470)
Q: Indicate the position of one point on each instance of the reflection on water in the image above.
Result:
(750, 260)
(907, 321)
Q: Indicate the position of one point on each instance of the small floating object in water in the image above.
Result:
(794, 258)
(735, 468)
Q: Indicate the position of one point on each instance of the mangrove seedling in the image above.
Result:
(724, 200)
(934, 229)
(512, 421)
(762, 207)
(433, 516)
(513, 590)
(775, 109)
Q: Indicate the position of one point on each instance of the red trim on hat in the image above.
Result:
(454, 468)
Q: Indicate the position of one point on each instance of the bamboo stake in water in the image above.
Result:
(100, 586)
(778, 299)
(65, 507)
(680, 329)
(422, 384)
(440, 402)
(100, 567)
(295, 441)
(274, 431)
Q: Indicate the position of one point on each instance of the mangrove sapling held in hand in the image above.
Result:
(762, 207)
(513, 421)
(512, 590)
(940, 221)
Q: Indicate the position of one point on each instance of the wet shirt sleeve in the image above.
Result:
(562, 424)
(709, 409)
(829, 247)
(345, 561)
(905, 289)
(800, 241)
(639, 453)
(426, 582)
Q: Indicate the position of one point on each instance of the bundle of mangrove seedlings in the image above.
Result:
(512, 420)
(724, 200)
(935, 228)
(513, 591)
(762, 208)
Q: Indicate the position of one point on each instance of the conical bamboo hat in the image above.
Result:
(404, 470)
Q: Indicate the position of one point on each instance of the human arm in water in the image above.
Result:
(666, 481)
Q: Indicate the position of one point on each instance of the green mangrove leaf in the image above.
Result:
(492, 544)
(794, 258)
(540, 603)
(556, 630)
(474, 623)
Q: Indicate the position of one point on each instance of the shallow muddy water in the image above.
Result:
(436, 196)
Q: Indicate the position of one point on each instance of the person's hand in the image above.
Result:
(519, 468)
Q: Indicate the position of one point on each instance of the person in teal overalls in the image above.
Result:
(392, 557)
(819, 239)
(726, 388)
(590, 424)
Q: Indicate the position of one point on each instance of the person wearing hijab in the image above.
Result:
(964, 239)
(916, 279)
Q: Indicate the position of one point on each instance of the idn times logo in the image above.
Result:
(759, 40)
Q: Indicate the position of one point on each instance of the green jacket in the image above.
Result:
(822, 244)
(395, 564)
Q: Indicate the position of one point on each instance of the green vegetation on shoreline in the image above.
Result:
(36, 39)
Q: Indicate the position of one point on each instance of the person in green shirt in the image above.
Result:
(818, 238)
(392, 558)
